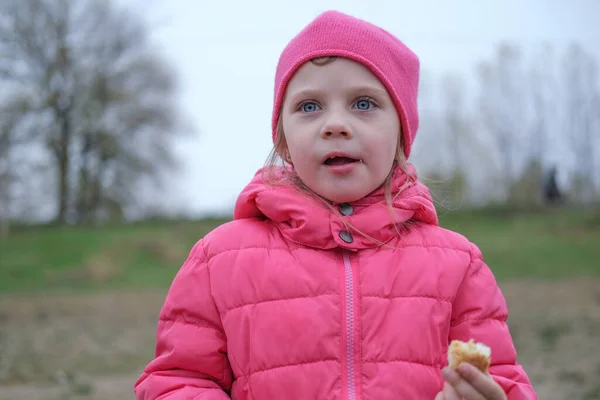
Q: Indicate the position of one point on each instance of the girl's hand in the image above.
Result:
(468, 383)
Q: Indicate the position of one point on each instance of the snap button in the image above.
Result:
(346, 236)
(346, 209)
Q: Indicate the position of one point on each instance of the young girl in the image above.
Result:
(334, 280)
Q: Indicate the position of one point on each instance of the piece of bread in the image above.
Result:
(476, 354)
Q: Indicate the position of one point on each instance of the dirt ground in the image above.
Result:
(93, 346)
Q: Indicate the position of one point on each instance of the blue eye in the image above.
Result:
(364, 104)
(309, 107)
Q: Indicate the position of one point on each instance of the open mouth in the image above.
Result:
(339, 160)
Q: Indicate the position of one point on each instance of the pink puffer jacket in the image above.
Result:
(285, 303)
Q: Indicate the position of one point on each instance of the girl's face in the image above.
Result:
(341, 129)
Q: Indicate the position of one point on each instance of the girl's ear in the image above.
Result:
(400, 147)
(282, 151)
(281, 145)
(287, 157)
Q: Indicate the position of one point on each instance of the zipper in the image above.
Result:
(349, 324)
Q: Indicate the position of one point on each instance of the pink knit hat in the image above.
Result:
(336, 34)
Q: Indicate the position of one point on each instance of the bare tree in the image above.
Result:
(581, 92)
(103, 105)
(455, 122)
(502, 103)
(452, 135)
(7, 172)
(545, 104)
(13, 165)
(596, 145)
(541, 100)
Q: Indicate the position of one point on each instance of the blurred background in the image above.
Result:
(128, 128)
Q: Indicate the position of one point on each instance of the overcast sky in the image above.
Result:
(225, 53)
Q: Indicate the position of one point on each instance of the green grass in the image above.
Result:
(551, 244)
(82, 258)
(541, 245)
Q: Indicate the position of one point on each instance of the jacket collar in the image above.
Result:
(304, 219)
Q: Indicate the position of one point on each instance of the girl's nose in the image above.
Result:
(335, 125)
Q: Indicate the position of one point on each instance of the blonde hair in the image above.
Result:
(280, 152)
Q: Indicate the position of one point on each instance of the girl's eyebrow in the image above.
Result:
(355, 90)
(377, 91)
(306, 94)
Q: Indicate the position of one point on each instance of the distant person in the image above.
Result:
(552, 194)
(334, 280)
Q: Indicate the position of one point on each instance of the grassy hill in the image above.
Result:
(542, 245)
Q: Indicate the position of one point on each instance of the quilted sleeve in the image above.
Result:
(480, 312)
(190, 360)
